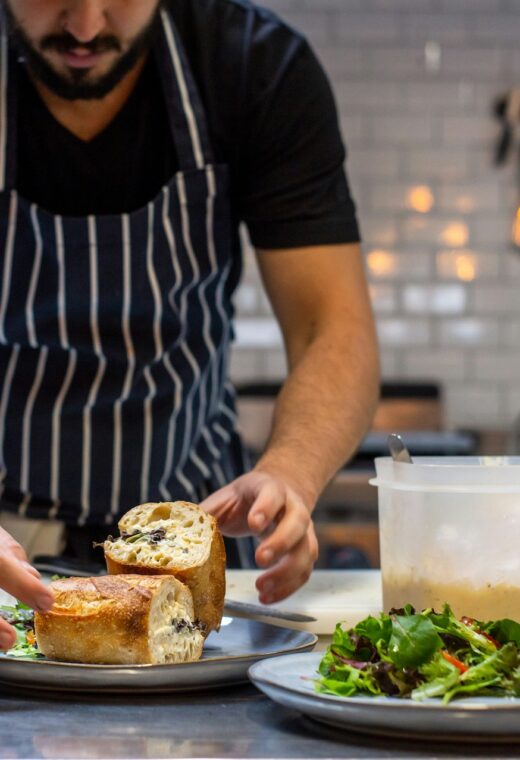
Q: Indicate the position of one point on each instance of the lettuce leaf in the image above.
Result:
(447, 623)
(504, 630)
(414, 640)
(21, 617)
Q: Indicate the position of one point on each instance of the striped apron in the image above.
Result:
(115, 330)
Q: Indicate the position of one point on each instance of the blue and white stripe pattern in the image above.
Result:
(114, 333)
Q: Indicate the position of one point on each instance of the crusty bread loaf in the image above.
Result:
(176, 538)
(123, 620)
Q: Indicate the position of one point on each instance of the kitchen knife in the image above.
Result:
(230, 605)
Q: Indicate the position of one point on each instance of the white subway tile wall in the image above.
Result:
(469, 331)
(434, 299)
(257, 332)
(446, 364)
(415, 82)
(384, 298)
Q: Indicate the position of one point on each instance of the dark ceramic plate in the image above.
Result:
(226, 660)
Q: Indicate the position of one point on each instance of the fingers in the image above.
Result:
(264, 506)
(269, 501)
(290, 549)
(291, 572)
(293, 520)
(23, 584)
(19, 552)
(18, 578)
(7, 635)
(217, 501)
(229, 508)
(30, 569)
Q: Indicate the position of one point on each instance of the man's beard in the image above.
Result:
(74, 85)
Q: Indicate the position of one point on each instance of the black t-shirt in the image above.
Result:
(272, 119)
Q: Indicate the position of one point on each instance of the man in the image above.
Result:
(134, 136)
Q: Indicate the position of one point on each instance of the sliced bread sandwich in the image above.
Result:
(120, 620)
(174, 538)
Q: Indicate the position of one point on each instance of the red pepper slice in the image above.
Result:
(469, 622)
(453, 660)
(491, 639)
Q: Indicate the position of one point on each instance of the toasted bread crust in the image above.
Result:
(103, 620)
(206, 580)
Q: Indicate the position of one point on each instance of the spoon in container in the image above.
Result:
(398, 449)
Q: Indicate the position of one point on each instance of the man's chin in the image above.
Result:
(75, 83)
(82, 82)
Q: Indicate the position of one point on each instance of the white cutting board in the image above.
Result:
(330, 596)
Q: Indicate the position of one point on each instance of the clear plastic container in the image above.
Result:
(450, 532)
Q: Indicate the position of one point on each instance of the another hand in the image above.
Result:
(264, 505)
(22, 581)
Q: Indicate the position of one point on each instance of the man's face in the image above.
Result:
(81, 49)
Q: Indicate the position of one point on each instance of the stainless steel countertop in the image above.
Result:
(234, 723)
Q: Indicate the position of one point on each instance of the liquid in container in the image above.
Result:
(450, 532)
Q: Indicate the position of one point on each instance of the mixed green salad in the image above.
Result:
(420, 655)
(21, 618)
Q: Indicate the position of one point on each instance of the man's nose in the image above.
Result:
(85, 19)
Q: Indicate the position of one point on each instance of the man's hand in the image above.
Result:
(18, 578)
(264, 505)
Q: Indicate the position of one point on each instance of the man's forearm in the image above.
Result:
(324, 408)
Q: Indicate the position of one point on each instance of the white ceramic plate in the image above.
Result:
(226, 659)
(289, 681)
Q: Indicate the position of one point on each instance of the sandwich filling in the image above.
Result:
(165, 537)
(173, 636)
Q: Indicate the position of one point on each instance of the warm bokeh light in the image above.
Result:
(516, 228)
(421, 199)
(462, 265)
(455, 234)
(465, 268)
(381, 263)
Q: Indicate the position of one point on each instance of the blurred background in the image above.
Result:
(426, 90)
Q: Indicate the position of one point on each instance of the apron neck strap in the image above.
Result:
(8, 62)
(187, 114)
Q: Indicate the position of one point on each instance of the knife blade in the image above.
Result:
(242, 608)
